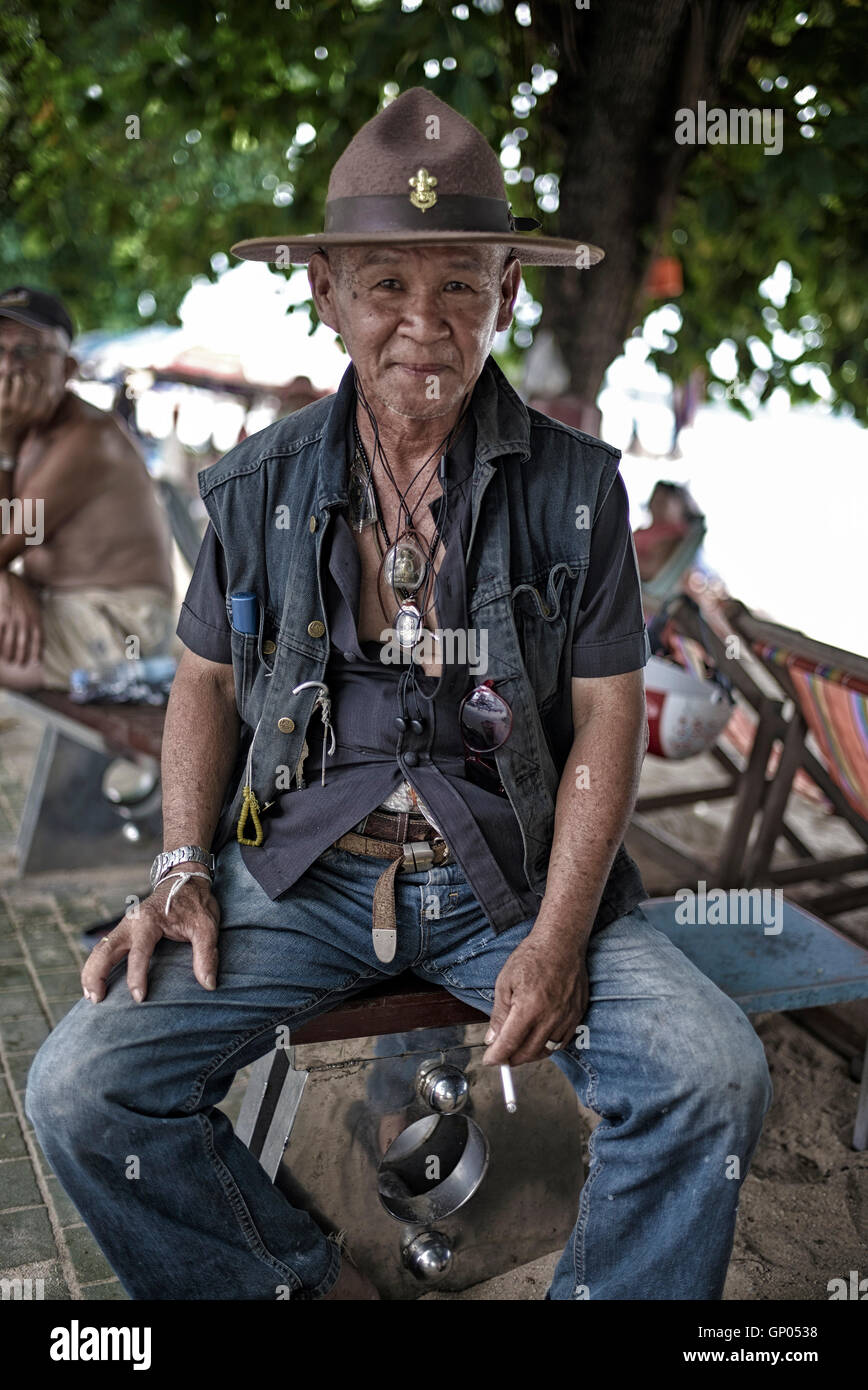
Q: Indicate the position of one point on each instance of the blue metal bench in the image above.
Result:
(807, 964)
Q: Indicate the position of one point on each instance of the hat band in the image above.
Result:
(393, 212)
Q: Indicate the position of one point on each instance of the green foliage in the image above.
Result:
(220, 90)
(219, 95)
(741, 211)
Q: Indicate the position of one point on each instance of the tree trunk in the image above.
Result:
(625, 69)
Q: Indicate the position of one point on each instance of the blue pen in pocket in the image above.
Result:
(248, 618)
(245, 613)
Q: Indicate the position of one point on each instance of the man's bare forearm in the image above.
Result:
(595, 800)
(7, 493)
(200, 743)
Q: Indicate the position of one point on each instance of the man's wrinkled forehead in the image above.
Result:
(12, 330)
(482, 258)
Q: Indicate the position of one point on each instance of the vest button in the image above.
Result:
(312, 525)
(269, 647)
(411, 758)
(286, 725)
(316, 628)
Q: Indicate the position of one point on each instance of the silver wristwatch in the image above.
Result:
(169, 858)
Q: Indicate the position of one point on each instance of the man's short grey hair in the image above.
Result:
(62, 338)
(58, 336)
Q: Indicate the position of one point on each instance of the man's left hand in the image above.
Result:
(541, 995)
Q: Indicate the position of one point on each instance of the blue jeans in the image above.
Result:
(673, 1067)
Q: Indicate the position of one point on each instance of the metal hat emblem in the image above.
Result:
(423, 195)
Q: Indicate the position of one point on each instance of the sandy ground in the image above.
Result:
(803, 1215)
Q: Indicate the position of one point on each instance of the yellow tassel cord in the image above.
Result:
(250, 807)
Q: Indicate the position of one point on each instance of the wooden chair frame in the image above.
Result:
(744, 861)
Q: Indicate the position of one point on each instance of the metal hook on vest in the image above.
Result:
(324, 702)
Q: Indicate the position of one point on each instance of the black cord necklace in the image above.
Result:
(407, 564)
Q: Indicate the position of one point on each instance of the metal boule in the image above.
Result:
(428, 1256)
(443, 1087)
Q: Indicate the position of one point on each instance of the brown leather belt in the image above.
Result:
(411, 843)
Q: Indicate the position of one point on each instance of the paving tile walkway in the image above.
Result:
(42, 1236)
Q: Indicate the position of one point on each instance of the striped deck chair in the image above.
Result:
(828, 689)
(835, 706)
(809, 702)
(740, 733)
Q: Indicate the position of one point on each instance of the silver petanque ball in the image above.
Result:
(443, 1087)
(428, 1256)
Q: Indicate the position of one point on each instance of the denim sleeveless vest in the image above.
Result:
(537, 486)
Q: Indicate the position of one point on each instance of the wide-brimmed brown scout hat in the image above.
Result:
(419, 173)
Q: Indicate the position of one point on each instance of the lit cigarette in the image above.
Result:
(508, 1089)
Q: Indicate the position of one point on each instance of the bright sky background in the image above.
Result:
(786, 502)
(785, 497)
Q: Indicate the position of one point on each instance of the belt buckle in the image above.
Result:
(420, 855)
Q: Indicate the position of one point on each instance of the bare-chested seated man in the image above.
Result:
(78, 512)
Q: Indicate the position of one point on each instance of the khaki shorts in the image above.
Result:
(93, 627)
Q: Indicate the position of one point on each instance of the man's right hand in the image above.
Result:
(21, 406)
(194, 916)
(20, 620)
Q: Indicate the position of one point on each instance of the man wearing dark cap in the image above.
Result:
(85, 549)
(459, 815)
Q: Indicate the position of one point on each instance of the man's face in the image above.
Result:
(418, 322)
(37, 362)
(666, 507)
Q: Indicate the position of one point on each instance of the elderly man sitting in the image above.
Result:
(371, 813)
(79, 515)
